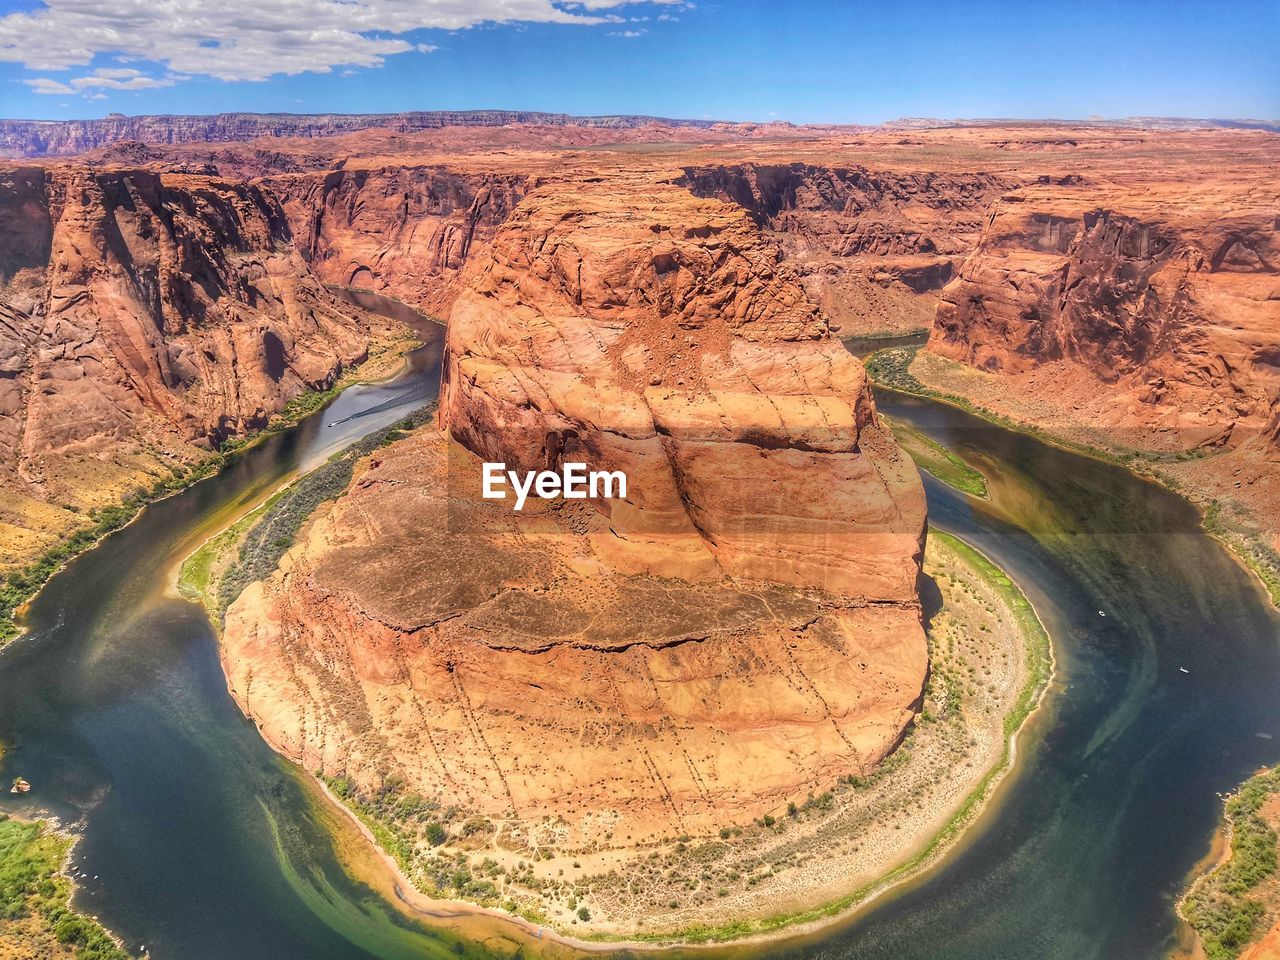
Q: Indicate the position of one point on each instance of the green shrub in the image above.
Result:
(1217, 905)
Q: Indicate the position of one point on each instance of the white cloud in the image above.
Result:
(611, 4)
(121, 79)
(254, 39)
(117, 73)
(45, 85)
(627, 33)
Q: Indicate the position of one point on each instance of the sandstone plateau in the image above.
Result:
(39, 138)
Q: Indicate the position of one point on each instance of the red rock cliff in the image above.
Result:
(1167, 299)
(146, 316)
(643, 329)
(404, 231)
(742, 627)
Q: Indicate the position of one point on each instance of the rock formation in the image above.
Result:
(738, 629)
(873, 246)
(669, 316)
(641, 329)
(144, 318)
(404, 231)
(743, 624)
(1174, 307)
(40, 138)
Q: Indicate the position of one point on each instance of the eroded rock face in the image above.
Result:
(873, 247)
(740, 628)
(636, 327)
(1157, 298)
(147, 317)
(499, 662)
(848, 211)
(401, 231)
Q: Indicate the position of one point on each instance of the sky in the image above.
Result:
(807, 61)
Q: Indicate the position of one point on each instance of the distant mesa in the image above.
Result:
(60, 138)
(40, 138)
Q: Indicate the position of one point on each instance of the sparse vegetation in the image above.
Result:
(34, 898)
(261, 538)
(1251, 548)
(19, 586)
(1220, 905)
(934, 458)
(531, 869)
(1039, 651)
(891, 368)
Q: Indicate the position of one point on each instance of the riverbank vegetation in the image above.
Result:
(251, 548)
(19, 586)
(1233, 904)
(36, 920)
(892, 368)
(935, 459)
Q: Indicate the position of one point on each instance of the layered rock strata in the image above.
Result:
(738, 629)
(1170, 308)
(144, 318)
(404, 231)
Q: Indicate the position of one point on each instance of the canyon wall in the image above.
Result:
(738, 629)
(144, 318)
(1166, 300)
(873, 247)
(38, 138)
(403, 231)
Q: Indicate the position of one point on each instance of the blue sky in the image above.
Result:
(850, 62)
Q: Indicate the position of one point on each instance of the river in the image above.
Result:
(200, 843)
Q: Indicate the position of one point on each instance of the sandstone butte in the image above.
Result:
(743, 626)
(1102, 283)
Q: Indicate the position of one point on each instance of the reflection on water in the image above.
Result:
(205, 845)
(865, 346)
